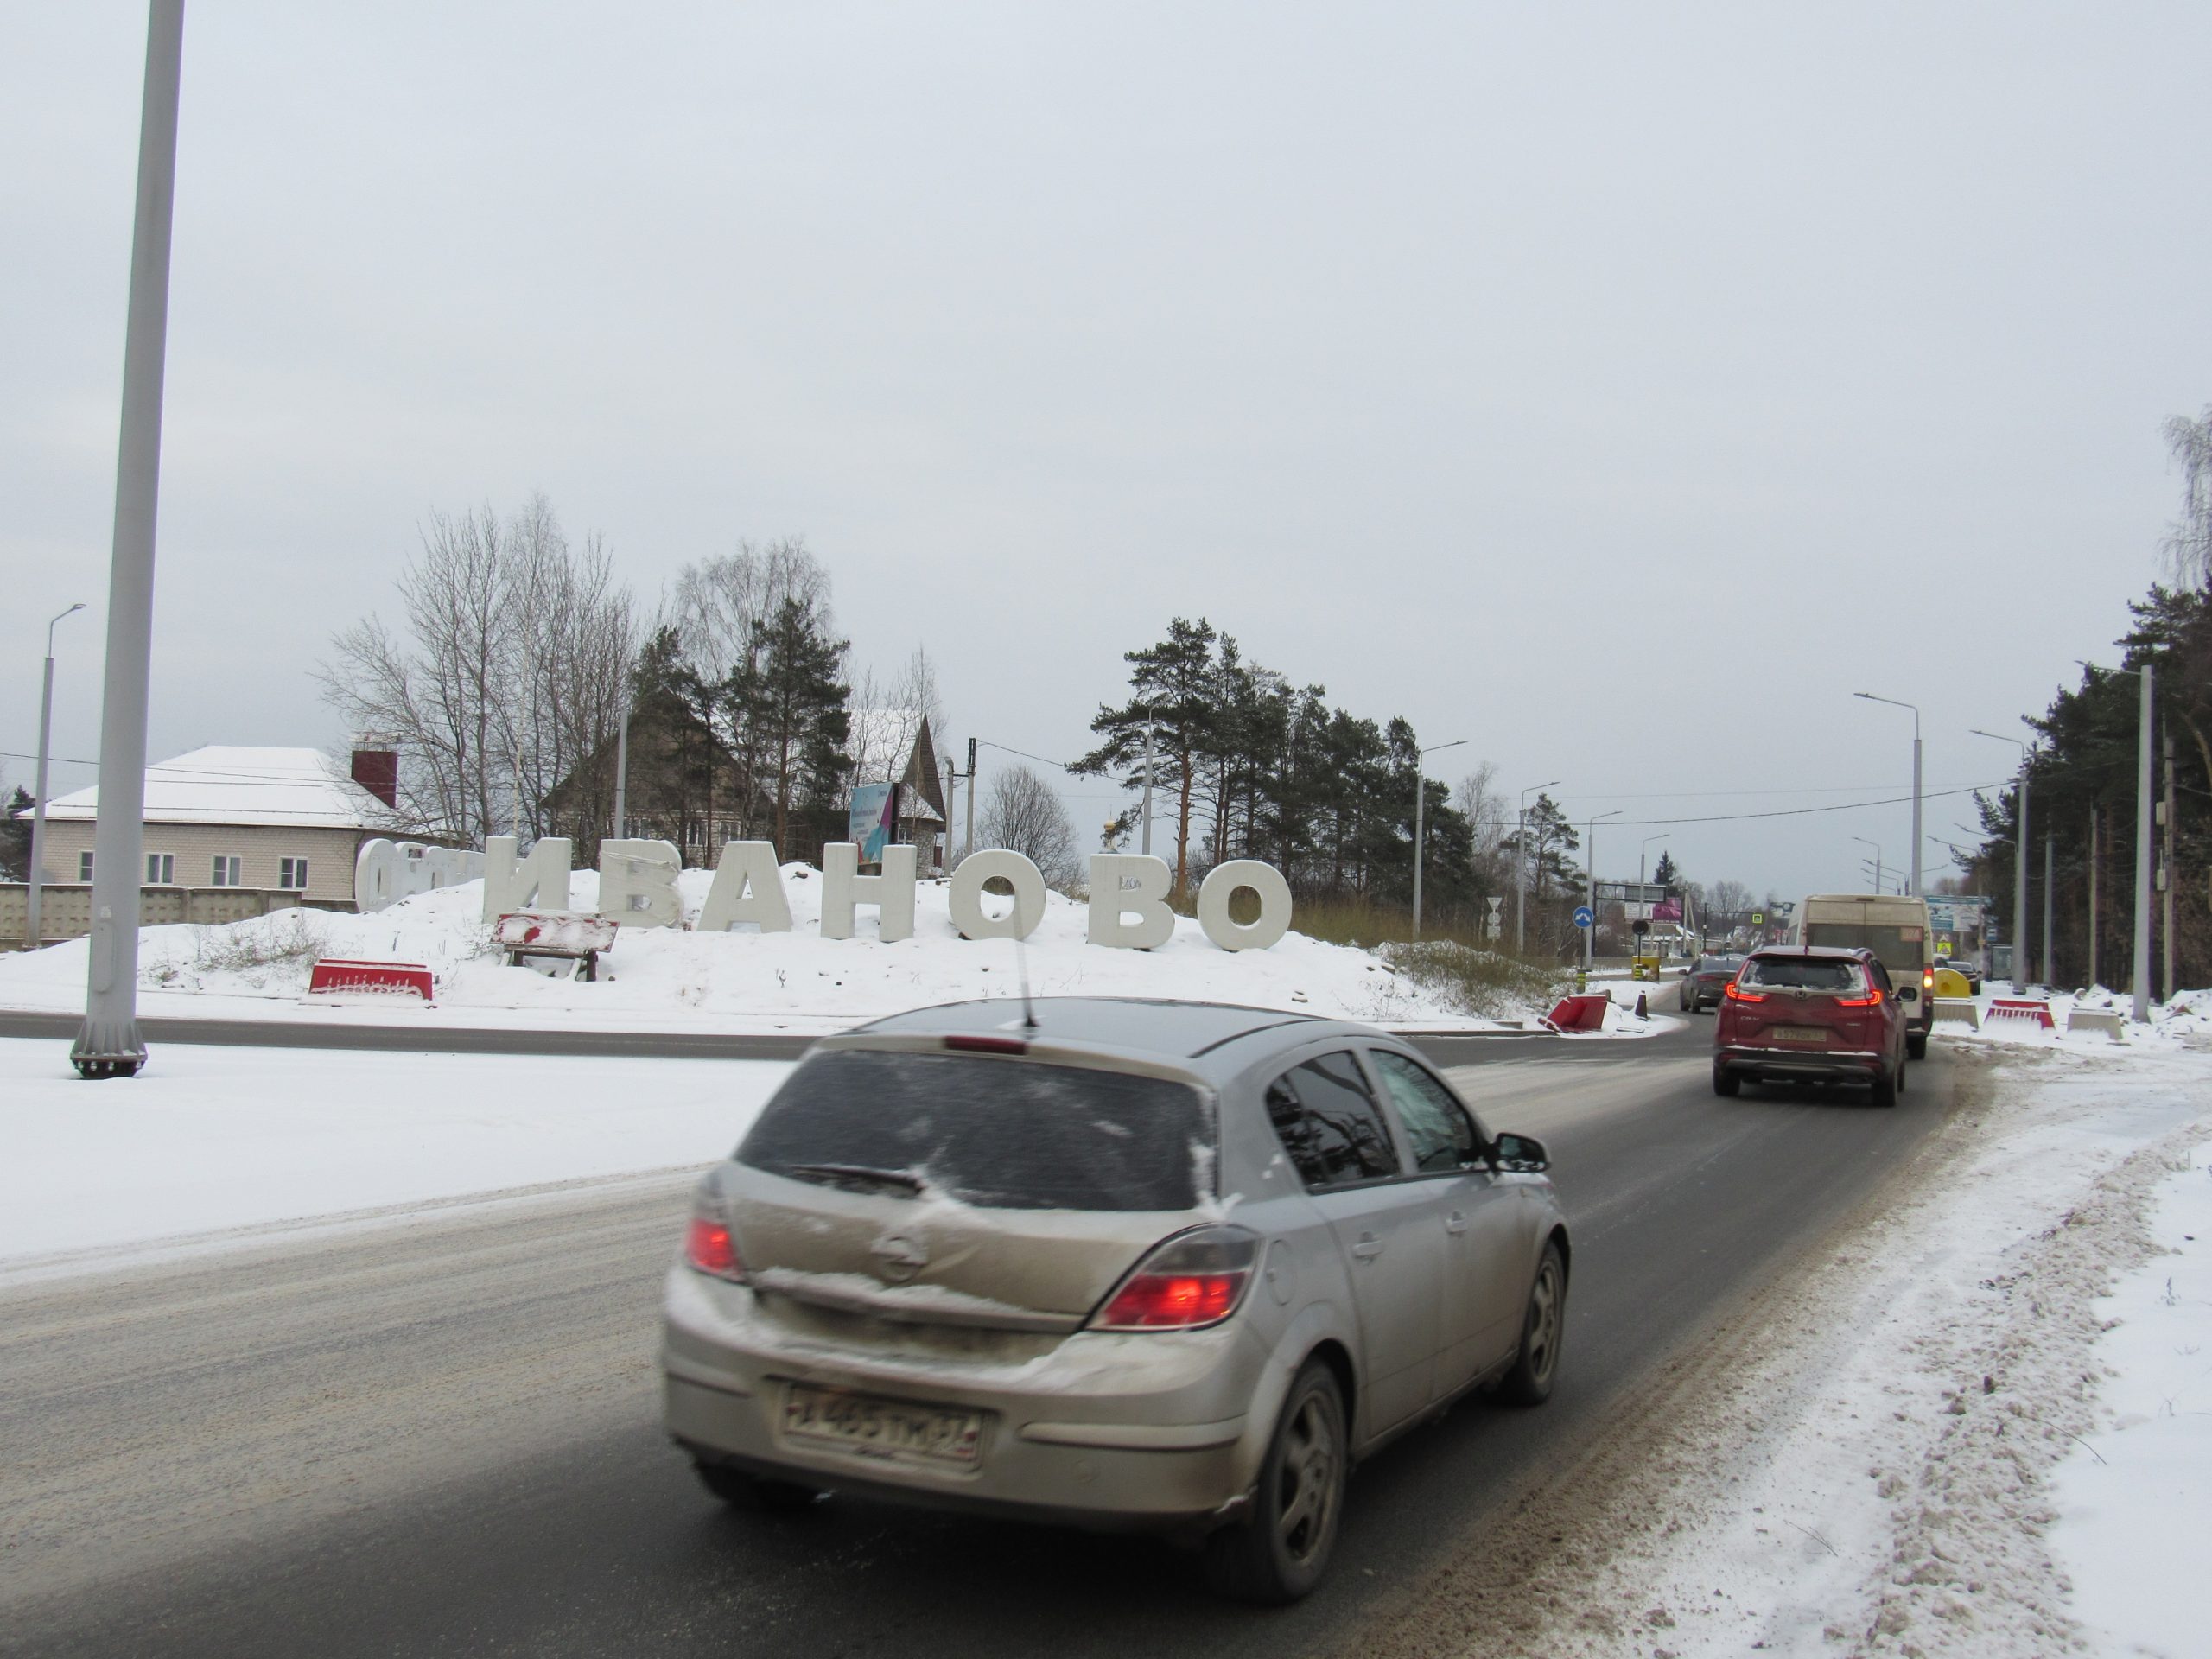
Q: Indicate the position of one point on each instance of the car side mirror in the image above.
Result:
(1521, 1154)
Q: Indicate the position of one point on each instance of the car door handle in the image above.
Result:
(1368, 1247)
(1456, 1223)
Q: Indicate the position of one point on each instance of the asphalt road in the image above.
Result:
(442, 1438)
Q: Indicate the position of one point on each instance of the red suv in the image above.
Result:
(1807, 1014)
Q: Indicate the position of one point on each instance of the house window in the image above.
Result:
(161, 869)
(292, 875)
(84, 866)
(229, 871)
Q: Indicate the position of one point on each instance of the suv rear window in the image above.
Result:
(1803, 973)
(1899, 947)
(1011, 1134)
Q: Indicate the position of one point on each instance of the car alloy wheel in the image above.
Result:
(1536, 1366)
(1279, 1551)
(1307, 1492)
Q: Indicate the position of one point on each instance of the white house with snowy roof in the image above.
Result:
(282, 821)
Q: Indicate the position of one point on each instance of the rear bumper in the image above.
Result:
(1150, 1432)
(1800, 1065)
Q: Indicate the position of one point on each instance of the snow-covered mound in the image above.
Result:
(743, 979)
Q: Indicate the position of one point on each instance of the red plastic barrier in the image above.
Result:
(1582, 1012)
(389, 978)
(2006, 1007)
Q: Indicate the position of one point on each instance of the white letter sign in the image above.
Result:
(637, 883)
(964, 897)
(747, 889)
(843, 887)
(1112, 904)
(1263, 879)
(539, 881)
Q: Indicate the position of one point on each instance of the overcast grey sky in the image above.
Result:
(1618, 387)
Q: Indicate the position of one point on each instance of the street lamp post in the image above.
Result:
(1590, 933)
(1520, 868)
(33, 933)
(1916, 781)
(1877, 845)
(2020, 963)
(1640, 854)
(109, 1044)
(1420, 801)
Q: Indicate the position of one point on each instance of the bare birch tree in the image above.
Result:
(2189, 546)
(1023, 813)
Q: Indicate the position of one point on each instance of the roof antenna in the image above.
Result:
(1021, 971)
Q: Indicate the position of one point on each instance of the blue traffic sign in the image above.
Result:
(1582, 916)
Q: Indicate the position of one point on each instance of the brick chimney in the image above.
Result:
(378, 772)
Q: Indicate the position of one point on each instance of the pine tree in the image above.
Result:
(789, 702)
(1667, 874)
(1174, 685)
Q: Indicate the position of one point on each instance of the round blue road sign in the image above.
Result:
(1582, 916)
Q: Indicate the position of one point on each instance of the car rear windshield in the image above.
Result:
(1718, 965)
(1014, 1134)
(1804, 973)
(1899, 947)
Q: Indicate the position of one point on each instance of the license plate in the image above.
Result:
(899, 1430)
(1800, 1034)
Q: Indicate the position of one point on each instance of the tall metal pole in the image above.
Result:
(971, 796)
(2093, 894)
(622, 775)
(2139, 998)
(1145, 845)
(109, 1046)
(1894, 702)
(1590, 933)
(2021, 964)
(951, 794)
(33, 933)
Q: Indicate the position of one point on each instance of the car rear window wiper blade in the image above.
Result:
(857, 1177)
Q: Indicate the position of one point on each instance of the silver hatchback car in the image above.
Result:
(1154, 1265)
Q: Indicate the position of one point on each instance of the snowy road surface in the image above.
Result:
(441, 1437)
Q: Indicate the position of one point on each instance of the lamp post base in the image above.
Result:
(102, 1052)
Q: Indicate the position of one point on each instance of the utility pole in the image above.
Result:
(2021, 966)
(622, 774)
(34, 920)
(109, 1044)
(971, 796)
(951, 778)
(1147, 844)
(2140, 991)
(1915, 887)
(1521, 874)
(1590, 933)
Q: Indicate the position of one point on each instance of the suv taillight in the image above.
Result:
(709, 1248)
(1195, 1279)
(1736, 993)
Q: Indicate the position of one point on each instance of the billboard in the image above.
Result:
(872, 819)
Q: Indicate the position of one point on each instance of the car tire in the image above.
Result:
(1279, 1552)
(1535, 1368)
(752, 1494)
(1916, 1046)
(1886, 1087)
(1725, 1083)
(1899, 1075)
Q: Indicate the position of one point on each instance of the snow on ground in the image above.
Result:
(1872, 1462)
(210, 1138)
(2135, 1504)
(740, 980)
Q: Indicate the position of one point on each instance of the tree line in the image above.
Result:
(2083, 775)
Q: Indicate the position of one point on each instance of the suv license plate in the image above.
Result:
(1800, 1033)
(899, 1430)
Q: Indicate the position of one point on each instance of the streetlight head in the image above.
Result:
(74, 610)
(1869, 696)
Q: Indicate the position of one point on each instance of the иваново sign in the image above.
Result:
(637, 887)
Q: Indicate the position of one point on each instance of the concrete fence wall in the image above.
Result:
(66, 908)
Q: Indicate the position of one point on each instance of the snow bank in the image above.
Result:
(2135, 1501)
(210, 1138)
(741, 980)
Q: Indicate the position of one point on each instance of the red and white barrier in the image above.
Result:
(340, 976)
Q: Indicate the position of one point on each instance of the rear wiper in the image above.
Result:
(858, 1178)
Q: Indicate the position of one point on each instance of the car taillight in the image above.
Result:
(1194, 1278)
(707, 1247)
(1927, 979)
(1738, 993)
(1872, 998)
